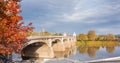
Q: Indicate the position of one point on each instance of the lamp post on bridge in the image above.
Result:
(74, 36)
(64, 34)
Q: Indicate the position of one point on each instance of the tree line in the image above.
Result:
(92, 36)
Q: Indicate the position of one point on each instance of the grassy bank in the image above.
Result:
(97, 43)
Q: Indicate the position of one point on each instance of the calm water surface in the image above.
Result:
(96, 50)
(86, 51)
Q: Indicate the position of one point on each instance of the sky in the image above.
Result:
(80, 16)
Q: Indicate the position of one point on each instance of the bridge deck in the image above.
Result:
(30, 37)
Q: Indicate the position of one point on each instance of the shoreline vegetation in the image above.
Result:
(92, 36)
(90, 43)
(97, 43)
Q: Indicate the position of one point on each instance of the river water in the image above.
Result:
(84, 51)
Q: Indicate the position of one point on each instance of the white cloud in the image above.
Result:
(96, 22)
(73, 11)
(47, 13)
(80, 15)
(48, 24)
(109, 29)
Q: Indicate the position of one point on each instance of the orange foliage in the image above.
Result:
(12, 32)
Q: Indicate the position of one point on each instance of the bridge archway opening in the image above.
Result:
(34, 50)
(55, 41)
(65, 40)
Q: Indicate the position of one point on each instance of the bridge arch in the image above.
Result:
(37, 48)
(32, 42)
(60, 39)
(64, 40)
(56, 39)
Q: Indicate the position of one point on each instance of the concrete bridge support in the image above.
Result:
(45, 51)
(58, 46)
(67, 44)
(39, 49)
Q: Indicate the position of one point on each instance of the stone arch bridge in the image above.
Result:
(49, 45)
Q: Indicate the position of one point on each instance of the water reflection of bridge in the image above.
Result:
(45, 46)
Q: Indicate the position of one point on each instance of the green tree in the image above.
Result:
(92, 35)
(82, 37)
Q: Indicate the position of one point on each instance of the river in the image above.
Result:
(83, 51)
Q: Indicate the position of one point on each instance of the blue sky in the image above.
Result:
(70, 16)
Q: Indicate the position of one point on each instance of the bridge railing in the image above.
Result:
(34, 37)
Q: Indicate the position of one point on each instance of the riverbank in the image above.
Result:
(97, 43)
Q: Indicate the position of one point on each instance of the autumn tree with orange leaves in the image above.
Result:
(12, 32)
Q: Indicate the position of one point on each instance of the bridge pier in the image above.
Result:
(51, 48)
(67, 43)
(59, 46)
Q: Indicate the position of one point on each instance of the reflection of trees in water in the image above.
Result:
(92, 47)
(110, 49)
(82, 50)
(92, 51)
